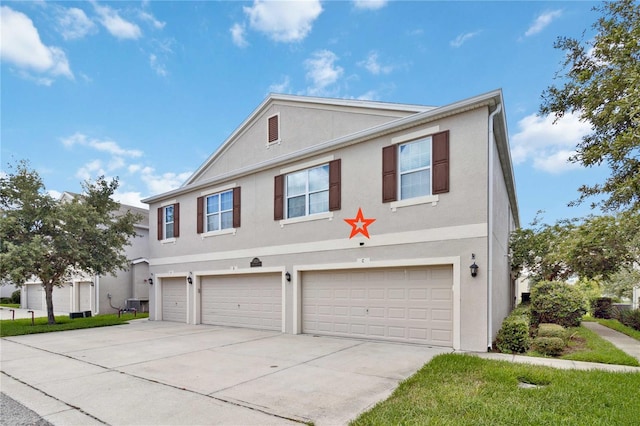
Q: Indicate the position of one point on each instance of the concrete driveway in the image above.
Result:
(161, 373)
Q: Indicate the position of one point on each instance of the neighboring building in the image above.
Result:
(101, 294)
(345, 218)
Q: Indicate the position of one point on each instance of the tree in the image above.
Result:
(601, 83)
(43, 238)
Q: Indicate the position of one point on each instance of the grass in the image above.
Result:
(466, 390)
(586, 345)
(618, 326)
(10, 305)
(23, 326)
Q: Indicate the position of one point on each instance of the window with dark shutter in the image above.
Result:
(200, 215)
(278, 198)
(389, 174)
(334, 185)
(273, 129)
(236, 207)
(160, 223)
(440, 166)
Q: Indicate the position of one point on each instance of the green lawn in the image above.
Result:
(466, 390)
(23, 326)
(10, 305)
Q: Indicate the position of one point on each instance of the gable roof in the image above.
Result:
(416, 115)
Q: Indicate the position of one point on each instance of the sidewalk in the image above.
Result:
(6, 314)
(621, 341)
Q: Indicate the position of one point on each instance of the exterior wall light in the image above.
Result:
(474, 269)
(150, 281)
(288, 276)
(189, 278)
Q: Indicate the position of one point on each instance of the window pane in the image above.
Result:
(212, 222)
(226, 200)
(295, 206)
(168, 217)
(212, 204)
(319, 178)
(227, 220)
(168, 230)
(296, 183)
(319, 202)
(415, 184)
(415, 155)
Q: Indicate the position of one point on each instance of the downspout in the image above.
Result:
(490, 231)
(97, 294)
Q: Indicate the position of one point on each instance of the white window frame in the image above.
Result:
(166, 222)
(401, 173)
(307, 193)
(218, 212)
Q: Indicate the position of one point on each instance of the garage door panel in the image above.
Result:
(252, 301)
(400, 304)
(35, 297)
(174, 300)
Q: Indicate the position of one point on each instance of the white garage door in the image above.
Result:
(174, 299)
(35, 297)
(62, 298)
(84, 294)
(400, 304)
(251, 301)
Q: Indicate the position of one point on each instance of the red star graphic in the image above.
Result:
(359, 224)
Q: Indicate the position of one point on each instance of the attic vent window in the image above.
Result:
(274, 129)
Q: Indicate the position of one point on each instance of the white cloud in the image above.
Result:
(164, 182)
(146, 16)
(370, 4)
(116, 25)
(21, 45)
(372, 64)
(322, 71)
(107, 146)
(462, 38)
(73, 23)
(238, 35)
(548, 146)
(283, 87)
(159, 68)
(542, 21)
(90, 170)
(130, 198)
(283, 21)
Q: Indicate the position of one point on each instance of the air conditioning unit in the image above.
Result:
(133, 304)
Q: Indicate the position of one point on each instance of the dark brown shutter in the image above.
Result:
(334, 185)
(273, 129)
(278, 198)
(440, 150)
(236, 207)
(389, 178)
(176, 220)
(200, 216)
(160, 222)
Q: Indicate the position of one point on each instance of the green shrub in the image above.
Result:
(5, 300)
(556, 303)
(631, 318)
(15, 297)
(552, 346)
(552, 330)
(513, 336)
(602, 307)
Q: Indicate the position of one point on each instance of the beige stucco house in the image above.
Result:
(101, 294)
(345, 218)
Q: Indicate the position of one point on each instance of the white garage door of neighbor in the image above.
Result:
(400, 304)
(62, 298)
(84, 290)
(174, 299)
(35, 297)
(251, 301)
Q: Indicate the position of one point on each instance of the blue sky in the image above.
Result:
(146, 91)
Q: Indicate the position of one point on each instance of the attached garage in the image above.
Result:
(174, 299)
(248, 300)
(35, 297)
(84, 296)
(413, 304)
(62, 298)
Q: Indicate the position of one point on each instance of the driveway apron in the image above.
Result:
(162, 373)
